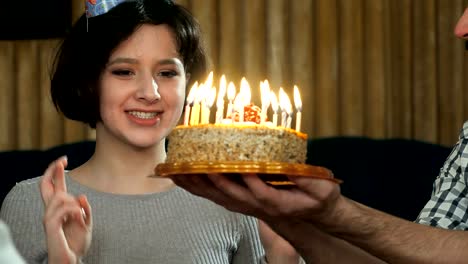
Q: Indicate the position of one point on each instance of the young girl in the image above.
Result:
(125, 72)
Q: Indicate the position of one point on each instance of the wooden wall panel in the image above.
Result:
(185, 3)
(449, 71)
(277, 39)
(8, 113)
(78, 8)
(374, 71)
(230, 40)
(255, 54)
(203, 11)
(27, 87)
(326, 100)
(51, 123)
(351, 67)
(400, 55)
(377, 68)
(424, 66)
(302, 46)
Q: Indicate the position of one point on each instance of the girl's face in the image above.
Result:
(142, 88)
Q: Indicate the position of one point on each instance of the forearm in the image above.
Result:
(396, 240)
(316, 246)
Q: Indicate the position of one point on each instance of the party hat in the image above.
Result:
(99, 7)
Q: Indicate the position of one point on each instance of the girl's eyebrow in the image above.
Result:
(123, 60)
(171, 61)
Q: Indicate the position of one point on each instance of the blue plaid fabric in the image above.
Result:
(448, 205)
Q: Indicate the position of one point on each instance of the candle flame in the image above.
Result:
(209, 80)
(289, 109)
(210, 98)
(245, 91)
(222, 91)
(284, 101)
(231, 93)
(274, 101)
(265, 93)
(200, 94)
(238, 101)
(192, 93)
(297, 99)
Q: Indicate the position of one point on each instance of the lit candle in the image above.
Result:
(290, 113)
(283, 105)
(231, 93)
(265, 96)
(203, 92)
(239, 106)
(245, 91)
(209, 100)
(244, 98)
(220, 100)
(274, 107)
(206, 92)
(195, 115)
(298, 103)
(190, 98)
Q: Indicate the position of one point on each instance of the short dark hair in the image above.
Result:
(86, 49)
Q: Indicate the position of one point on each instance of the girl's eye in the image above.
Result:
(122, 72)
(168, 74)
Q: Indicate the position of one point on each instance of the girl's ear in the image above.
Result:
(187, 77)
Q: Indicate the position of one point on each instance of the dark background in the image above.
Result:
(34, 19)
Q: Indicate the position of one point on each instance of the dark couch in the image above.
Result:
(393, 175)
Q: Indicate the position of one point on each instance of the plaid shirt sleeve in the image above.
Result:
(448, 206)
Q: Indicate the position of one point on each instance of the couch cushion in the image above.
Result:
(392, 175)
(24, 164)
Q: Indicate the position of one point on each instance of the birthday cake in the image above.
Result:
(236, 142)
(244, 135)
(241, 140)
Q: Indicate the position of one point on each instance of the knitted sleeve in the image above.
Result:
(250, 249)
(22, 211)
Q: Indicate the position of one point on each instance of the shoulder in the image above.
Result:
(25, 189)
(24, 194)
(462, 145)
(464, 131)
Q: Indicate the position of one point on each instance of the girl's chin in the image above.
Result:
(144, 145)
(144, 141)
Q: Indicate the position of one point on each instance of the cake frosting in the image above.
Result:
(236, 142)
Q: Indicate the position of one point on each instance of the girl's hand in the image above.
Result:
(67, 219)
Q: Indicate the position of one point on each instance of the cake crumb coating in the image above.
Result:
(236, 142)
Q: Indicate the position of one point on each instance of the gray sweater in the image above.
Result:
(169, 227)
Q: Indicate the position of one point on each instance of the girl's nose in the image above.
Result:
(149, 91)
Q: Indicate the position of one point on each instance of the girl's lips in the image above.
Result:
(143, 114)
(144, 118)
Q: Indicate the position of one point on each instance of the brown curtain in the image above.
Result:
(376, 68)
